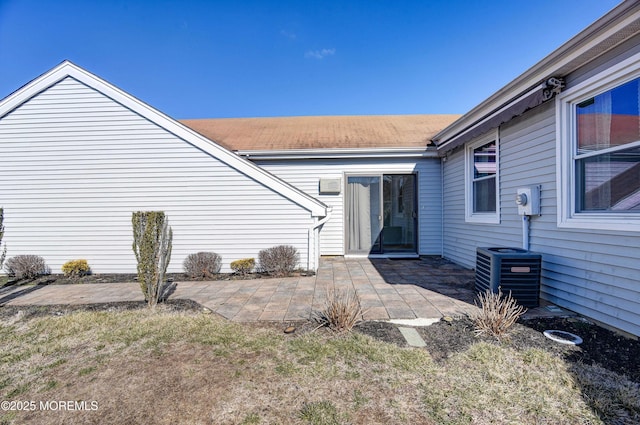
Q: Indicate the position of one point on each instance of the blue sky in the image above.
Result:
(218, 59)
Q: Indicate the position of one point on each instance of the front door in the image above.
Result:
(380, 214)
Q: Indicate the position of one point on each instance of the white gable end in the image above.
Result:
(77, 163)
(68, 69)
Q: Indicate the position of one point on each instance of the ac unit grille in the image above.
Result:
(513, 270)
(483, 272)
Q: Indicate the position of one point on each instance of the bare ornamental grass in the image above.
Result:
(163, 367)
(342, 310)
(498, 313)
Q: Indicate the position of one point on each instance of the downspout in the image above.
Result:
(442, 161)
(315, 231)
(525, 232)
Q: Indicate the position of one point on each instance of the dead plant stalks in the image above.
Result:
(342, 310)
(498, 313)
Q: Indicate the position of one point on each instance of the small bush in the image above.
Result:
(243, 266)
(202, 265)
(342, 311)
(497, 314)
(279, 260)
(26, 266)
(76, 268)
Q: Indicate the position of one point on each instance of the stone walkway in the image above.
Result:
(428, 288)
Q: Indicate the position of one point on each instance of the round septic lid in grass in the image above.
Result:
(563, 337)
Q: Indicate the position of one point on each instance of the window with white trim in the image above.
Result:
(599, 151)
(482, 181)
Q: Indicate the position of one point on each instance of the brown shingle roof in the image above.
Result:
(322, 132)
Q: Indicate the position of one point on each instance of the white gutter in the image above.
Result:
(338, 153)
(315, 230)
(494, 113)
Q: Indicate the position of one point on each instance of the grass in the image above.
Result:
(162, 367)
(320, 413)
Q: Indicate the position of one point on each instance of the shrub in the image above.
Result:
(243, 266)
(152, 242)
(279, 260)
(76, 268)
(497, 313)
(202, 265)
(342, 310)
(26, 266)
(3, 253)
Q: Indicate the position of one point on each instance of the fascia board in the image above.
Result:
(596, 34)
(31, 89)
(68, 69)
(339, 153)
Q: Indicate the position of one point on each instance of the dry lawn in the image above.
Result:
(167, 367)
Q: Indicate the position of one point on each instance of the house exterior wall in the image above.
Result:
(592, 272)
(76, 164)
(305, 175)
(517, 154)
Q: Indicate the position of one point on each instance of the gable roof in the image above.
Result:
(526, 91)
(322, 132)
(68, 69)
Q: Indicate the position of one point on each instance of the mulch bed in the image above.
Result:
(59, 279)
(605, 347)
(27, 312)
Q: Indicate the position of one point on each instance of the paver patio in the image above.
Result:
(428, 287)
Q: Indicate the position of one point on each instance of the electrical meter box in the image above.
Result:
(528, 200)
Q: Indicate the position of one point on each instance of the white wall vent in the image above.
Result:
(330, 186)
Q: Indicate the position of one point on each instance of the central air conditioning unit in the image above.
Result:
(514, 270)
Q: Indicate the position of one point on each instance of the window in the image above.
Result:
(482, 181)
(599, 151)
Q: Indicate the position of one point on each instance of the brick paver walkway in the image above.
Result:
(428, 287)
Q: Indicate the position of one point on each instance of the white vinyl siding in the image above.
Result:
(592, 272)
(76, 164)
(305, 175)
